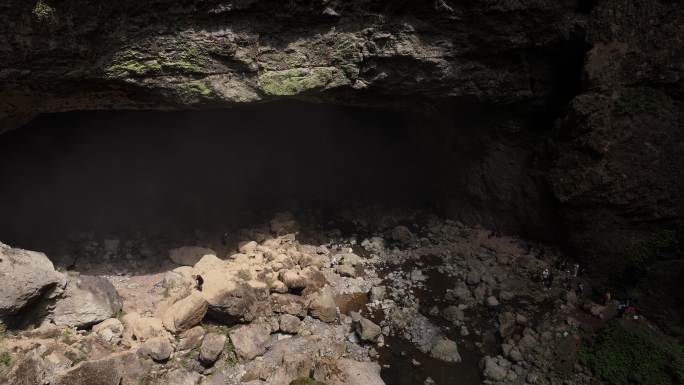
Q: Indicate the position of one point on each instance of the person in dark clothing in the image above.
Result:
(548, 281)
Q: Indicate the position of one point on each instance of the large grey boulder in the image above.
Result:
(117, 369)
(191, 339)
(323, 306)
(185, 313)
(212, 346)
(366, 329)
(158, 348)
(250, 340)
(349, 372)
(24, 276)
(181, 377)
(446, 350)
(87, 300)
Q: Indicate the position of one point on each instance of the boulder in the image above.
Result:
(250, 340)
(492, 301)
(117, 369)
(289, 323)
(241, 301)
(480, 293)
(189, 255)
(289, 304)
(231, 291)
(177, 281)
(492, 370)
(366, 329)
(247, 247)
(453, 314)
(345, 371)
(307, 280)
(138, 328)
(109, 330)
(349, 259)
(378, 293)
(345, 270)
(323, 306)
(186, 313)
(181, 377)
(507, 324)
(31, 369)
(402, 234)
(473, 277)
(191, 339)
(24, 276)
(157, 348)
(211, 348)
(446, 350)
(86, 301)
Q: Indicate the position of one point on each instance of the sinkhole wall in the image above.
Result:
(584, 98)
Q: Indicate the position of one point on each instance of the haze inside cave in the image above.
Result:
(114, 172)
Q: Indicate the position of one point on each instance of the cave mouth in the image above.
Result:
(116, 173)
(112, 196)
(126, 171)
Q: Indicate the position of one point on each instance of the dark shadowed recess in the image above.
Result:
(123, 171)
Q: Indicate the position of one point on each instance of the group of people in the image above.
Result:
(547, 276)
(625, 308)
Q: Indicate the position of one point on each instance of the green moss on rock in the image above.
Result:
(185, 58)
(298, 80)
(43, 12)
(194, 91)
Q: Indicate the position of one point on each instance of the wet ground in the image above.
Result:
(399, 360)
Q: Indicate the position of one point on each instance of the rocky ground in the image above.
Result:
(401, 299)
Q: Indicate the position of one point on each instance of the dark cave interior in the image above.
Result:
(106, 171)
(122, 171)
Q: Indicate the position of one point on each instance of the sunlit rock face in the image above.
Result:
(66, 55)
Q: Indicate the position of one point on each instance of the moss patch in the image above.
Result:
(194, 91)
(185, 58)
(6, 361)
(298, 80)
(43, 12)
(625, 353)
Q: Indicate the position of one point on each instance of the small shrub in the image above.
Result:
(624, 353)
(6, 360)
(230, 352)
(189, 357)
